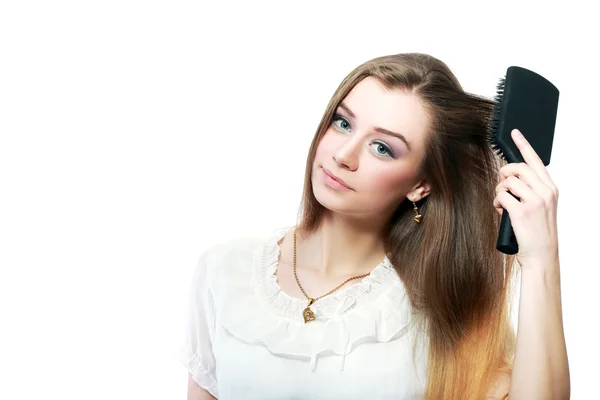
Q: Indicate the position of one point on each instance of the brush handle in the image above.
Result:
(507, 241)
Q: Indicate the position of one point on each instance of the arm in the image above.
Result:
(499, 390)
(197, 347)
(541, 368)
(195, 392)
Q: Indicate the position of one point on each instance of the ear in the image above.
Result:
(419, 191)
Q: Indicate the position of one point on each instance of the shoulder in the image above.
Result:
(234, 248)
(233, 256)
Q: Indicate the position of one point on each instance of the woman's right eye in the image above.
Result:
(344, 123)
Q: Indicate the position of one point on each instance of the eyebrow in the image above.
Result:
(378, 129)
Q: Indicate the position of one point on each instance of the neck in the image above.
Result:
(341, 247)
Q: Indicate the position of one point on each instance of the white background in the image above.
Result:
(134, 134)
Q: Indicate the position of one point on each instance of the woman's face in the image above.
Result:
(379, 168)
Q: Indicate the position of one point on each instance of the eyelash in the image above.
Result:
(338, 117)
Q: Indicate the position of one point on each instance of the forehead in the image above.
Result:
(396, 110)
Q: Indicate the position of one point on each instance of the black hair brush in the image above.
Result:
(528, 102)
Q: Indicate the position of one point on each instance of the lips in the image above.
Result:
(335, 178)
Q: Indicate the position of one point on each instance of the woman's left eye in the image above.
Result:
(383, 147)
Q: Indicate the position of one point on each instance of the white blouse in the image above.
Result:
(245, 338)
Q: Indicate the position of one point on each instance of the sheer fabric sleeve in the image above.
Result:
(197, 348)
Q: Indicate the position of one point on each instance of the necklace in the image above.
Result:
(308, 314)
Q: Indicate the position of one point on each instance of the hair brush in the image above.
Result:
(528, 102)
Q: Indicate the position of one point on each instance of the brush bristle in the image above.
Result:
(495, 121)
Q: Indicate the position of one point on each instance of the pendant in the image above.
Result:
(307, 313)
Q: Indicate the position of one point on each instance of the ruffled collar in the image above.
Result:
(335, 304)
(258, 311)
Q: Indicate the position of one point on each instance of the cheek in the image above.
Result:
(325, 149)
(388, 180)
(327, 143)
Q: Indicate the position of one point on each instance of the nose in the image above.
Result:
(347, 154)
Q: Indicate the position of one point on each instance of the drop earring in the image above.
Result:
(418, 216)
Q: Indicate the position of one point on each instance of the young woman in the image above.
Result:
(390, 286)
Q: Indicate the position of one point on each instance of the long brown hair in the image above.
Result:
(459, 285)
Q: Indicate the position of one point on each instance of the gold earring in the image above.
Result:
(418, 216)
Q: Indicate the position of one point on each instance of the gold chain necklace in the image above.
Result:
(308, 314)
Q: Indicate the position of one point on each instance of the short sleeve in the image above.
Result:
(197, 348)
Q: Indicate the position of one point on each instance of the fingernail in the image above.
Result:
(517, 134)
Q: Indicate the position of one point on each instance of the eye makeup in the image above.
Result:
(389, 152)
